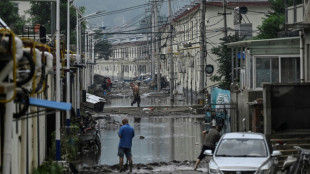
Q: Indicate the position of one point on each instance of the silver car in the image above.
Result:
(243, 153)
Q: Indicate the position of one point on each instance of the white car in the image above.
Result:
(243, 153)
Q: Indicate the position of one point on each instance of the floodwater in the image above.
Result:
(157, 139)
(147, 100)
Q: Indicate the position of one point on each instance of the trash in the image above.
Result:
(148, 109)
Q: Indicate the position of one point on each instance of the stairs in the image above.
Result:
(286, 140)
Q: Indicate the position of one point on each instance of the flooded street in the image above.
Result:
(167, 135)
(157, 139)
(147, 100)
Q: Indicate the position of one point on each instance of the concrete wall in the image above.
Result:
(241, 101)
(286, 107)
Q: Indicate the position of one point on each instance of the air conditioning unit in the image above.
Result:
(244, 31)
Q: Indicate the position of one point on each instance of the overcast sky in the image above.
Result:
(118, 19)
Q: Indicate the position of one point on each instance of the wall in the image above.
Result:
(287, 107)
(241, 101)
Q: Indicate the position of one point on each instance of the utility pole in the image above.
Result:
(170, 53)
(153, 43)
(157, 47)
(57, 127)
(78, 62)
(68, 64)
(202, 52)
(225, 20)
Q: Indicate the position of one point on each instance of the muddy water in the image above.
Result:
(157, 139)
(147, 100)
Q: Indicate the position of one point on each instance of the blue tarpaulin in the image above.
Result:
(50, 104)
(243, 55)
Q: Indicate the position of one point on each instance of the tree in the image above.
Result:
(9, 14)
(223, 73)
(271, 25)
(103, 48)
(40, 13)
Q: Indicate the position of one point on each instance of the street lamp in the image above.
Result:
(78, 21)
(94, 43)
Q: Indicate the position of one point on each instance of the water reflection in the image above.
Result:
(157, 139)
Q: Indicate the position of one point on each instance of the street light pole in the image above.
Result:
(94, 43)
(58, 150)
(78, 62)
(68, 63)
(170, 53)
(78, 51)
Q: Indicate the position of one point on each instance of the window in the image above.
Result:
(290, 69)
(184, 32)
(192, 30)
(267, 70)
(276, 69)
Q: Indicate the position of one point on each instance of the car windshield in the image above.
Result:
(242, 148)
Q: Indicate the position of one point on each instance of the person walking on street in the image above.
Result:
(126, 134)
(211, 137)
(136, 94)
(109, 84)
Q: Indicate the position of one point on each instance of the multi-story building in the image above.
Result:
(130, 57)
(186, 32)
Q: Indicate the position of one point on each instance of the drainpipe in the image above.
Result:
(301, 35)
(7, 148)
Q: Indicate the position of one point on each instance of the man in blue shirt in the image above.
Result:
(125, 133)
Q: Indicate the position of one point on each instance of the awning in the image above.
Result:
(50, 104)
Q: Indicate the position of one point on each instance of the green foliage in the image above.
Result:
(9, 14)
(103, 48)
(69, 144)
(271, 24)
(40, 13)
(48, 167)
(223, 74)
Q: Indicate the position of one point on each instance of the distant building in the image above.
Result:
(130, 57)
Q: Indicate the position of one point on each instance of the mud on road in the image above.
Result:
(174, 167)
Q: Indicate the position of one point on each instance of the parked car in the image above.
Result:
(243, 153)
(143, 78)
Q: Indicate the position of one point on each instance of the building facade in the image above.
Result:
(271, 78)
(186, 32)
(130, 57)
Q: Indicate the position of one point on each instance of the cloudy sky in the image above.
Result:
(121, 17)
